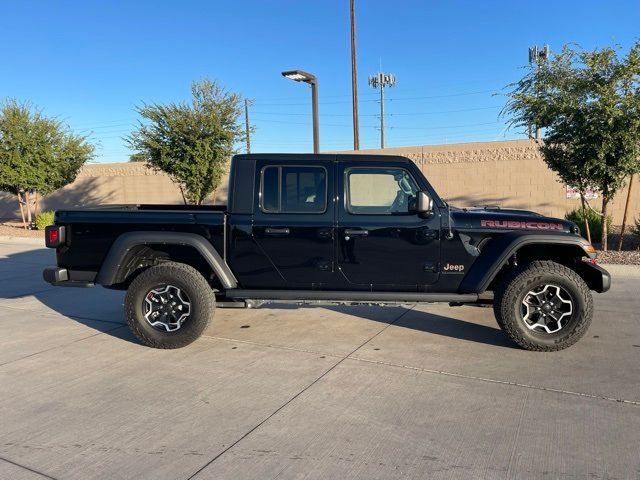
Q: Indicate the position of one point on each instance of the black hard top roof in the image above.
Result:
(352, 157)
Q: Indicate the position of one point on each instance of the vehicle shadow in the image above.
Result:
(22, 288)
(420, 321)
(101, 309)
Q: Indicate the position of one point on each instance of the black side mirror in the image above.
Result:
(424, 203)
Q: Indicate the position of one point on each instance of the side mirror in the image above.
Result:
(424, 203)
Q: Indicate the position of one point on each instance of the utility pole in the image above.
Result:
(381, 80)
(354, 78)
(537, 56)
(246, 125)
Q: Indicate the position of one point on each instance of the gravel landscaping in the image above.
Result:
(12, 228)
(619, 258)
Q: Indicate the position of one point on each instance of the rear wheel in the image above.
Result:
(169, 305)
(544, 306)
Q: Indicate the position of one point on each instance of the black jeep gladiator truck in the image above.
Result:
(330, 228)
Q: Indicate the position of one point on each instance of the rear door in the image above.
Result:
(382, 245)
(294, 220)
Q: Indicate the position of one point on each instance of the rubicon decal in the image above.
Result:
(522, 225)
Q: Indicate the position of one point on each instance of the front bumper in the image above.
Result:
(61, 277)
(596, 277)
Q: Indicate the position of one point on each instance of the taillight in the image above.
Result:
(54, 236)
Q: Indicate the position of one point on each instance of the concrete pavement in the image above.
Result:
(340, 392)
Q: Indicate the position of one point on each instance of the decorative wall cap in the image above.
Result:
(128, 169)
(476, 152)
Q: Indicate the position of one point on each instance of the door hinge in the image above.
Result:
(428, 233)
(325, 233)
(431, 267)
(324, 265)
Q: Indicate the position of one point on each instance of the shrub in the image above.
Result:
(577, 216)
(44, 219)
(636, 229)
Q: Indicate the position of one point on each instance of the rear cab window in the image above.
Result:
(293, 189)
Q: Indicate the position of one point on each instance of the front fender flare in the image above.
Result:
(124, 243)
(498, 251)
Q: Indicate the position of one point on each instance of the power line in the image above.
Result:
(448, 135)
(445, 111)
(440, 127)
(296, 114)
(117, 123)
(391, 99)
(462, 94)
(392, 127)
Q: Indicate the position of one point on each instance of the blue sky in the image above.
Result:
(90, 63)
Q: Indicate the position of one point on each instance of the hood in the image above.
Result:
(504, 219)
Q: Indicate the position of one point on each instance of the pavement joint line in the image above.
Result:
(79, 317)
(24, 262)
(59, 346)
(15, 297)
(75, 380)
(427, 370)
(53, 312)
(270, 345)
(44, 475)
(514, 447)
(500, 382)
(284, 405)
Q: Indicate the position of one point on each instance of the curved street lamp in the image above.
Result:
(301, 76)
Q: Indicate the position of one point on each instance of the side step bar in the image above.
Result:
(350, 296)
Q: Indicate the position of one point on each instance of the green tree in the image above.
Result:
(589, 105)
(37, 154)
(192, 142)
(137, 157)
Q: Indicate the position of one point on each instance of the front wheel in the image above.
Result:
(544, 306)
(169, 305)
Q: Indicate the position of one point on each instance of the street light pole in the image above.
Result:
(301, 76)
(314, 113)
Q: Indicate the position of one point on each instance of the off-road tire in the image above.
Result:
(512, 290)
(190, 281)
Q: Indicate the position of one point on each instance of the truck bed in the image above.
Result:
(91, 232)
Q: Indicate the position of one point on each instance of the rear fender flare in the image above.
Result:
(112, 263)
(498, 251)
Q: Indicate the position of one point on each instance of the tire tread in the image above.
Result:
(511, 286)
(202, 294)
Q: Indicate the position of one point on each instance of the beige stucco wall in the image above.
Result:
(511, 174)
(111, 183)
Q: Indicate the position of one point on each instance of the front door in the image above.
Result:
(294, 221)
(382, 244)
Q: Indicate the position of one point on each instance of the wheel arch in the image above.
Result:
(133, 251)
(523, 247)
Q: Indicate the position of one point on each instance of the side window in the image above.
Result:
(380, 191)
(295, 189)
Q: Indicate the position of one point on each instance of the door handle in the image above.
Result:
(349, 232)
(276, 231)
(356, 232)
